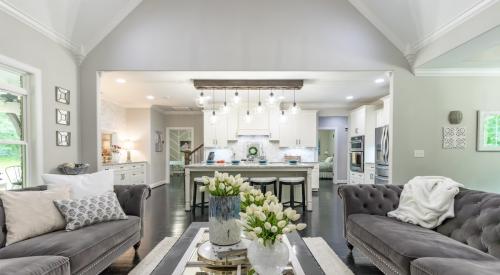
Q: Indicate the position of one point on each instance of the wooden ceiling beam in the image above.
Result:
(242, 84)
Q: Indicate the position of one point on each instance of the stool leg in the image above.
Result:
(202, 202)
(304, 197)
(275, 188)
(194, 195)
(281, 192)
(263, 188)
(292, 196)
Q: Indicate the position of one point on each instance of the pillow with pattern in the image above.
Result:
(91, 210)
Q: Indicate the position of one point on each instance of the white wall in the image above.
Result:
(58, 68)
(158, 159)
(139, 132)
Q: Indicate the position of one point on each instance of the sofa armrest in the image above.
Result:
(132, 199)
(369, 199)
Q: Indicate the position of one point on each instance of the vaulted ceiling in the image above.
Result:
(423, 30)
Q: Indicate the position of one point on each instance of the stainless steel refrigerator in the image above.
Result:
(382, 155)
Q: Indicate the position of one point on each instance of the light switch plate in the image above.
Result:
(419, 153)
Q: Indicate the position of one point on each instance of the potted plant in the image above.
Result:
(224, 207)
(266, 224)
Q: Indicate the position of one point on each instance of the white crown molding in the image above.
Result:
(58, 38)
(117, 19)
(382, 27)
(456, 22)
(495, 72)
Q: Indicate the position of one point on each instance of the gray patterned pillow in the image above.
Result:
(91, 210)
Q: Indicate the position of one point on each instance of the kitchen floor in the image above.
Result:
(165, 216)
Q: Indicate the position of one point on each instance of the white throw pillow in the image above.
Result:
(32, 213)
(85, 185)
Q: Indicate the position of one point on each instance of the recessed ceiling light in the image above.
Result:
(349, 97)
(150, 97)
(120, 80)
(379, 80)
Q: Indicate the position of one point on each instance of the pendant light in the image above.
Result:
(282, 96)
(260, 109)
(201, 99)
(295, 108)
(272, 98)
(236, 98)
(225, 107)
(282, 116)
(248, 117)
(213, 118)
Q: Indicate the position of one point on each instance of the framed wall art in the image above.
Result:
(62, 95)
(63, 138)
(62, 117)
(488, 131)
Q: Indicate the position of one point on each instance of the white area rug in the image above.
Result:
(324, 255)
(151, 261)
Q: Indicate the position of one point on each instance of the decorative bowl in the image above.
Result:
(210, 162)
(262, 162)
(73, 168)
(235, 162)
(292, 161)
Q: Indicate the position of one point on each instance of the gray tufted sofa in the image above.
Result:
(86, 251)
(467, 244)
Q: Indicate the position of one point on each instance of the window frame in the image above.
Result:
(31, 85)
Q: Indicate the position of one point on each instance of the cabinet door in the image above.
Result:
(357, 122)
(386, 114)
(209, 131)
(306, 129)
(221, 131)
(274, 124)
(288, 136)
(232, 124)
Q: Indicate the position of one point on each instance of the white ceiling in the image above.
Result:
(175, 90)
(77, 24)
(412, 25)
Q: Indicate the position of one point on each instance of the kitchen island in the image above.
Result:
(251, 170)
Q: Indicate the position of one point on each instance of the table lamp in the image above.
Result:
(128, 146)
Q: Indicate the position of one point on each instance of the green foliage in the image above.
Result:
(492, 130)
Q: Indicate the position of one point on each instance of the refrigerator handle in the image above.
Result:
(386, 145)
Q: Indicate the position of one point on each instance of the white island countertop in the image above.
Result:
(252, 165)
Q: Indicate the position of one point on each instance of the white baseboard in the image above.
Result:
(341, 182)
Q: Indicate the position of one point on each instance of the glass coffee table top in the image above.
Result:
(184, 258)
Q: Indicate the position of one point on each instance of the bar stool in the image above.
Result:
(198, 182)
(292, 181)
(263, 182)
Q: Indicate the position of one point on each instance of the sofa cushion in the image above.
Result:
(476, 222)
(403, 242)
(82, 246)
(447, 266)
(37, 265)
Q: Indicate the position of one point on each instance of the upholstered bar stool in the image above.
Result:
(292, 182)
(197, 183)
(263, 182)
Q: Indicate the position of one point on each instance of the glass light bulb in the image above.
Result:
(248, 117)
(260, 109)
(236, 98)
(225, 108)
(213, 118)
(272, 99)
(201, 99)
(295, 108)
(282, 116)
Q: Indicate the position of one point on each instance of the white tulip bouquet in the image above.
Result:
(224, 185)
(268, 223)
(255, 197)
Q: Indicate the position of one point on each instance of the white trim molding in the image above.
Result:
(495, 72)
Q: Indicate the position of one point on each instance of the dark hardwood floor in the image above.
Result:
(165, 216)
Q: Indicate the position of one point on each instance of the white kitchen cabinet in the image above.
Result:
(384, 113)
(274, 124)
(299, 130)
(362, 122)
(232, 124)
(369, 177)
(128, 173)
(214, 134)
(356, 178)
(357, 122)
(258, 125)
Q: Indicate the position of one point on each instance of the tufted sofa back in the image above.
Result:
(476, 222)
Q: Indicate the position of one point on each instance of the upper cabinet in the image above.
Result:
(384, 113)
(299, 130)
(362, 122)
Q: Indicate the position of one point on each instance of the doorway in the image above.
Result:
(327, 154)
(178, 139)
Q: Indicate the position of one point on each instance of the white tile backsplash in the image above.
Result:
(271, 150)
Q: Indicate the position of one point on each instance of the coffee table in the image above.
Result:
(175, 260)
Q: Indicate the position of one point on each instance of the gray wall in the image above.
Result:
(158, 159)
(339, 123)
(235, 35)
(20, 42)
(420, 111)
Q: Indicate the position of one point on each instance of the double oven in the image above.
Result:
(357, 154)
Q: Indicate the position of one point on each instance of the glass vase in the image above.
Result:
(223, 216)
(270, 260)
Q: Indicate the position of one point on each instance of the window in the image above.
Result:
(13, 141)
(492, 130)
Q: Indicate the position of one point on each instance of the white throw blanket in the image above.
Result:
(427, 201)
